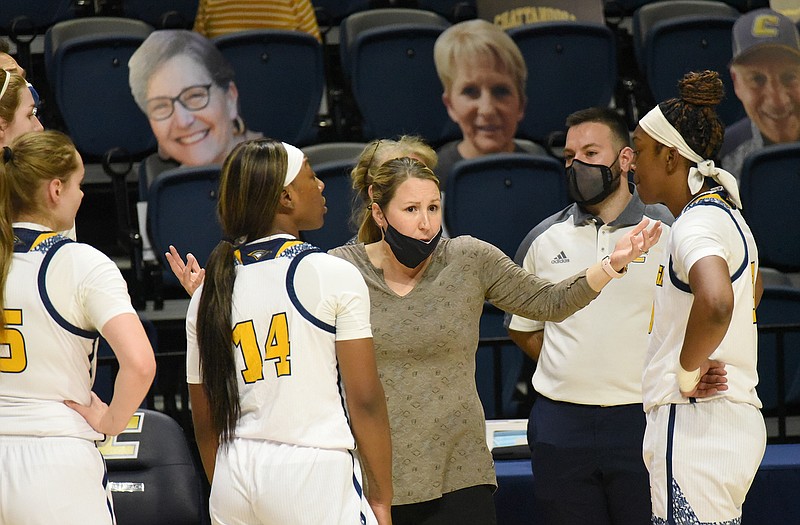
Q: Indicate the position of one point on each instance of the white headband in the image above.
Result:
(5, 84)
(658, 127)
(294, 161)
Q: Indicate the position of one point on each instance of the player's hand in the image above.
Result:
(98, 416)
(189, 274)
(713, 380)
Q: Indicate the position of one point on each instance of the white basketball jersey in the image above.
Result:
(44, 359)
(709, 225)
(289, 386)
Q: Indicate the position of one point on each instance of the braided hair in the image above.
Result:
(693, 113)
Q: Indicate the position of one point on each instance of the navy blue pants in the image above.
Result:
(587, 464)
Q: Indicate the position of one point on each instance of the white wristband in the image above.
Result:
(687, 381)
(606, 264)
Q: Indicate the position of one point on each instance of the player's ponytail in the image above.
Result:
(250, 188)
(31, 160)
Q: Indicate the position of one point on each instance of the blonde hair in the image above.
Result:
(32, 160)
(466, 41)
(11, 99)
(375, 154)
(384, 182)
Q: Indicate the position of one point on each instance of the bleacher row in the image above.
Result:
(378, 78)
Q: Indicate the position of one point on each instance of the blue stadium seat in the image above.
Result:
(86, 60)
(770, 182)
(182, 211)
(152, 473)
(676, 46)
(525, 188)
(649, 13)
(357, 22)
(779, 368)
(280, 77)
(23, 20)
(571, 66)
(162, 14)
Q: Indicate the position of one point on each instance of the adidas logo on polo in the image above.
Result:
(560, 258)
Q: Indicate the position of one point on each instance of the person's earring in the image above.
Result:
(239, 125)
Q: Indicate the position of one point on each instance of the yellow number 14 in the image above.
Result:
(276, 348)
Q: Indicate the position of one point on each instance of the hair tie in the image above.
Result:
(8, 155)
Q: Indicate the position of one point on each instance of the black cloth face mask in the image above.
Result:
(591, 183)
(408, 250)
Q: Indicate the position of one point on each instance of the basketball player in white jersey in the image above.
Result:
(58, 297)
(280, 362)
(704, 441)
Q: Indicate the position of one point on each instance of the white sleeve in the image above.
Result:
(519, 323)
(704, 231)
(193, 374)
(340, 293)
(86, 287)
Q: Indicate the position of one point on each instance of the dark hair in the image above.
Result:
(693, 113)
(4, 46)
(607, 116)
(250, 187)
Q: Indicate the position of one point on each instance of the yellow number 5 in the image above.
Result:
(277, 348)
(13, 358)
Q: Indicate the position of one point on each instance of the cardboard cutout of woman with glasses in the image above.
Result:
(185, 87)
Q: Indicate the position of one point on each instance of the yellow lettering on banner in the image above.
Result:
(530, 15)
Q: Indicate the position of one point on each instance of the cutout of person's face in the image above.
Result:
(193, 138)
(486, 104)
(768, 85)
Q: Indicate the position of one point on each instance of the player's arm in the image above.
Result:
(709, 317)
(369, 419)
(758, 289)
(204, 433)
(137, 368)
(529, 342)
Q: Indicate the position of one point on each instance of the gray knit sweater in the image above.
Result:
(425, 344)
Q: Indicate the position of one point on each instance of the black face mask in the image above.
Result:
(408, 250)
(591, 183)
